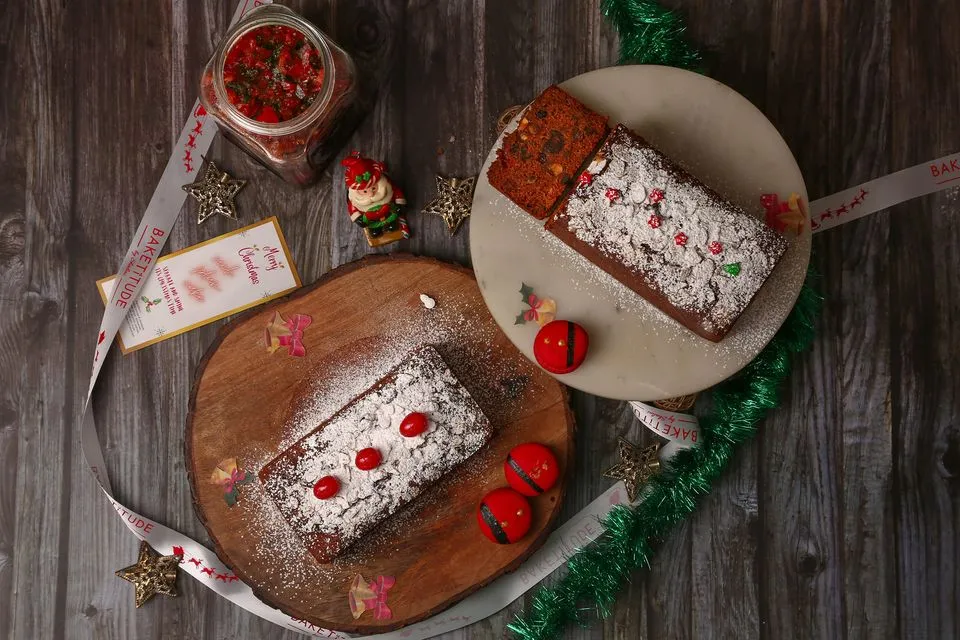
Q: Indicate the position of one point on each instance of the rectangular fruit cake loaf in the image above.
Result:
(665, 235)
(539, 160)
(456, 429)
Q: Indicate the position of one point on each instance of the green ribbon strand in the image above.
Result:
(651, 34)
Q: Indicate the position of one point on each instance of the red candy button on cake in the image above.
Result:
(504, 516)
(531, 469)
(326, 487)
(413, 425)
(368, 459)
(561, 346)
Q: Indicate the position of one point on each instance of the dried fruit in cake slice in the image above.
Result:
(539, 160)
(667, 236)
(355, 495)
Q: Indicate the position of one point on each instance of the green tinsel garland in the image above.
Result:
(651, 34)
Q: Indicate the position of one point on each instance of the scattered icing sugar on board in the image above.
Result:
(421, 383)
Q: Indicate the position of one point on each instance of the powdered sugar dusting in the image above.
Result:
(674, 233)
(422, 383)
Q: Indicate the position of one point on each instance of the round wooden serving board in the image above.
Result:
(250, 405)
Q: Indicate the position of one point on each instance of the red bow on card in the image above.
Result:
(294, 340)
(378, 604)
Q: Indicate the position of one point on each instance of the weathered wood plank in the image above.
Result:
(15, 149)
(858, 271)
(37, 151)
(924, 306)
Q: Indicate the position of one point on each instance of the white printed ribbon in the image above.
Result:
(682, 430)
(884, 192)
(201, 563)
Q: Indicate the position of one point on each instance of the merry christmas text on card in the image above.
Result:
(206, 282)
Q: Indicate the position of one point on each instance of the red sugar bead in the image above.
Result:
(326, 487)
(680, 239)
(368, 459)
(654, 221)
(413, 425)
(656, 195)
(715, 247)
(612, 194)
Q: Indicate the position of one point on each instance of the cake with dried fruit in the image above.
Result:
(359, 467)
(668, 237)
(539, 160)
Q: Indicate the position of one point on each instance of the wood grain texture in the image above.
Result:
(842, 520)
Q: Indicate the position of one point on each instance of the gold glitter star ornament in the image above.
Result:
(152, 574)
(215, 193)
(453, 201)
(635, 468)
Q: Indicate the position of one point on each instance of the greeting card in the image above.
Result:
(206, 282)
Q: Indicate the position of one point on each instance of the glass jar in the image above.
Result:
(251, 110)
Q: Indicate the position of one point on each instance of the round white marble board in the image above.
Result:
(637, 352)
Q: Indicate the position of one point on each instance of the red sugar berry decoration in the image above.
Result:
(504, 516)
(585, 179)
(656, 195)
(654, 221)
(715, 247)
(326, 487)
(413, 425)
(612, 194)
(680, 239)
(368, 459)
(531, 468)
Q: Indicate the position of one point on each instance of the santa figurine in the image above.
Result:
(374, 202)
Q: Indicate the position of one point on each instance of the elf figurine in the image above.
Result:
(374, 201)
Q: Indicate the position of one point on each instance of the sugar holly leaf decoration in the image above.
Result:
(525, 291)
(733, 268)
(521, 318)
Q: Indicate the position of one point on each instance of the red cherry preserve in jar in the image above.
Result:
(283, 91)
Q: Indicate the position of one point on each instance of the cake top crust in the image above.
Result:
(703, 254)
(421, 383)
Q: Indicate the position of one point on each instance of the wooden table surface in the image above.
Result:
(841, 520)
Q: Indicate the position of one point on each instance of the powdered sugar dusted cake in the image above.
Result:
(665, 235)
(422, 383)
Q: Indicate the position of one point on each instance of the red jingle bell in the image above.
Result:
(561, 346)
(504, 516)
(531, 469)
(413, 425)
(368, 459)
